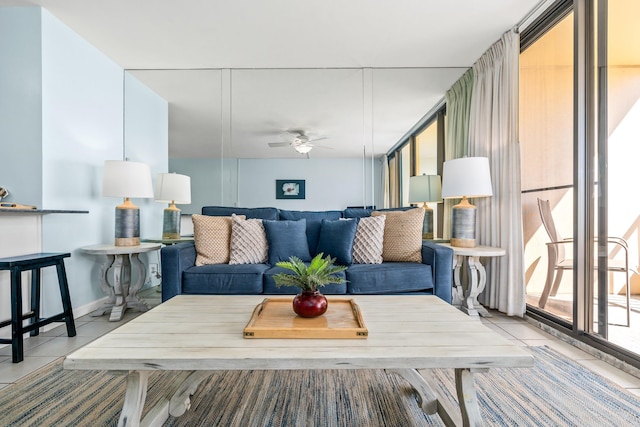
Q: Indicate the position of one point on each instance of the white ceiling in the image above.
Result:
(360, 72)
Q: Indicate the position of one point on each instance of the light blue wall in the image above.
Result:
(147, 140)
(78, 110)
(213, 182)
(330, 183)
(20, 108)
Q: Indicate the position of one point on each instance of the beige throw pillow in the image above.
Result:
(367, 245)
(402, 235)
(248, 241)
(212, 235)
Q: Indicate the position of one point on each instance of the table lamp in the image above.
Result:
(126, 179)
(466, 177)
(425, 189)
(172, 188)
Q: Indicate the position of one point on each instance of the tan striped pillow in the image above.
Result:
(402, 235)
(248, 241)
(212, 236)
(367, 245)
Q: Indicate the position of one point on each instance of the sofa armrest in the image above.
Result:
(440, 258)
(175, 259)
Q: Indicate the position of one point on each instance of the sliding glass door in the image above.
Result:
(579, 127)
(618, 150)
(546, 137)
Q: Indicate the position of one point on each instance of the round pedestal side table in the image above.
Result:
(468, 301)
(122, 294)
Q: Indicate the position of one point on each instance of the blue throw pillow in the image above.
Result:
(336, 239)
(286, 239)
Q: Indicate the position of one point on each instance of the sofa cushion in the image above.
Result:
(368, 241)
(259, 213)
(287, 239)
(248, 241)
(336, 239)
(224, 279)
(388, 277)
(212, 235)
(402, 235)
(314, 221)
(271, 288)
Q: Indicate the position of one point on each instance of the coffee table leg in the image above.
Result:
(134, 399)
(467, 398)
(426, 397)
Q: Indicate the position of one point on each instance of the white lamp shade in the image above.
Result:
(425, 188)
(126, 179)
(173, 188)
(468, 176)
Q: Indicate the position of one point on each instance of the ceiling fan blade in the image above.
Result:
(321, 146)
(279, 144)
(318, 139)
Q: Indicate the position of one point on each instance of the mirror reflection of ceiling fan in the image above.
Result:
(301, 143)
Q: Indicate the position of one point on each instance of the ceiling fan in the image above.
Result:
(301, 143)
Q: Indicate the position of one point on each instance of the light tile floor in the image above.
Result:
(54, 344)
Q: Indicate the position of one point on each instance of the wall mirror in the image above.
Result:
(221, 124)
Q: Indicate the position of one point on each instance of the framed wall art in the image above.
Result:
(290, 189)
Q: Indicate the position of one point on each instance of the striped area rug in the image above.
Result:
(555, 392)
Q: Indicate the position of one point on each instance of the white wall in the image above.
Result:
(77, 108)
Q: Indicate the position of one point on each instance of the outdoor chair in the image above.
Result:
(558, 262)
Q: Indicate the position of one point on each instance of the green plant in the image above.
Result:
(319, 272)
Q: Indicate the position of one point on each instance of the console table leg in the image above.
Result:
(467, 398)
(106, 288)
(121, 281)
(477, 283)
(134, 399)
(457, 296)
(133, 301)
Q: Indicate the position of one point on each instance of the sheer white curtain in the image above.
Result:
(493, 133)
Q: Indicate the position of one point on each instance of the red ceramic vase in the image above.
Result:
(309, 304)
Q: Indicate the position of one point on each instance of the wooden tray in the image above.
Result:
(274, 318)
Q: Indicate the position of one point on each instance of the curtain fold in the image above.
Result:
(456, 142)
(493, 133)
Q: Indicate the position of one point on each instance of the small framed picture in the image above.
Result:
(290, 189)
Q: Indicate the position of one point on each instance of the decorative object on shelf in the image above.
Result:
(465, 177)
(122, 178)
(10, 205)
(290, 189)
(172, 188)
(320, 271)
(425, 189)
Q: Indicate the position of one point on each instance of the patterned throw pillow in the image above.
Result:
(367, 245)
(248, 241)
(402, 235)
(212, 235)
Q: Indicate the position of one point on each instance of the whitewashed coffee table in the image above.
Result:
(195, 335)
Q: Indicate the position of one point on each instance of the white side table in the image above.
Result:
(477, 277)
(122, 293)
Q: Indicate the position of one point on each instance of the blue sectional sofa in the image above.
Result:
(180, 275)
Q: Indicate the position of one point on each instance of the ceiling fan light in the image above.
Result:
(303, 149)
